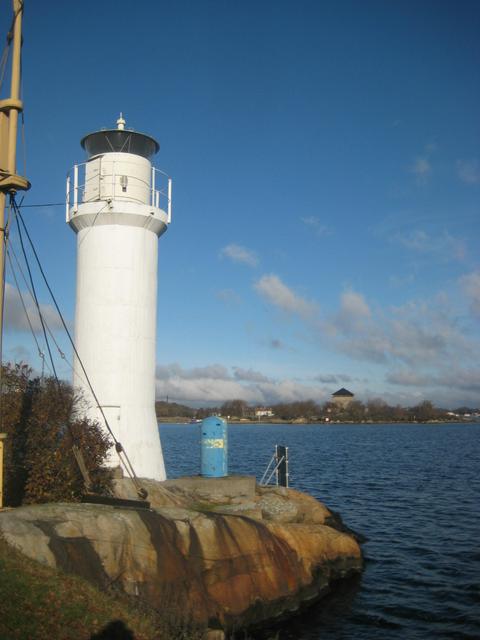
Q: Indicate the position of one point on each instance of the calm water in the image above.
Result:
(413, 490)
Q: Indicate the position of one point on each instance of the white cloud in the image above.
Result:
(249, 375)
(418, 334)
(237, 253)
(228, 296)
(418, 240)
(332, 378)
(471, 286)
(353, 316)
(353, 304)
(427, 334)
(15, 318)
(407, 377)
(369, 347)
(401, 281)
(174, 370)
(444, 245)
(205, 391)
(275, 292)
(421, 168)
(469, 171)
(214, 384)
(448, 386)
(291, 391)
(459, 378)
(315, 224)
(413, 342)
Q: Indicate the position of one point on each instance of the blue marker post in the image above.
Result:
(214, 447)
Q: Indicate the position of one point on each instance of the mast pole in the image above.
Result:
(10, 182)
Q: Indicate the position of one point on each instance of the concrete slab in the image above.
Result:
(213, 489)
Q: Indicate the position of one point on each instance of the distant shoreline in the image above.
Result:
(186, 421)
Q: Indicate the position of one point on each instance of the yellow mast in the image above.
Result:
(10, 182)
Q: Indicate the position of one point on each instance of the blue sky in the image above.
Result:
(326, 167)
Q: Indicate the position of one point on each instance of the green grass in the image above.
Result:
(38, 602)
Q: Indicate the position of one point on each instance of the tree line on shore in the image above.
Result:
(375, 410)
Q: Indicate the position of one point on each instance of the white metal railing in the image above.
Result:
(163, 194)
(112, 185)
(277, 466)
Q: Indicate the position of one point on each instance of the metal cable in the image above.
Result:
(46, 204)
(75, 448)
(61, 353)
(93, 223)
(12, 270)
(35, 297)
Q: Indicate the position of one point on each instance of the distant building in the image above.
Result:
(342, 397)
(261, 412)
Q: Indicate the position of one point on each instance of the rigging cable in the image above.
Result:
(32, 285)
(61, 353)
(40, 352)
(75, 448)
(118, 446)
(93, 223)
(46, 204)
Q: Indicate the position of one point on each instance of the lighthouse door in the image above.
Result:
(93, 176)
(112, 414)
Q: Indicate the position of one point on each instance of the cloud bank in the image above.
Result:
(215, 384)
(417, 345)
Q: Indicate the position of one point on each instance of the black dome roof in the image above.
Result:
(119, 141)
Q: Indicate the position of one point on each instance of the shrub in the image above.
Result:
(41, 425)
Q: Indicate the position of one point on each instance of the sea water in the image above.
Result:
(413, 490)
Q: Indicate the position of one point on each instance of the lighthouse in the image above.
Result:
(119, 204)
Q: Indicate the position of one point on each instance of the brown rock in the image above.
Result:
(287, 505)
(158, 494)
(213, 490)
(206, 566)
(214, 634)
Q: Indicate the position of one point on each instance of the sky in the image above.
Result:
(325, 160)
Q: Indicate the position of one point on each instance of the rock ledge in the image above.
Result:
(224, 552)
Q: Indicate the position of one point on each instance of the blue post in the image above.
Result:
(214, 447)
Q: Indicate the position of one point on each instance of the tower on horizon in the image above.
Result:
(118, 204)
(343, 397)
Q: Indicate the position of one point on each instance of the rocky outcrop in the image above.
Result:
(223, 552)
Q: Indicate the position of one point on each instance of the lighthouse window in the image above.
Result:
(124, 182)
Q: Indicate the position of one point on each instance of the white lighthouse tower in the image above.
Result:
(119, 204)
